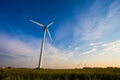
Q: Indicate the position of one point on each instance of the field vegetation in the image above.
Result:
(60, 74)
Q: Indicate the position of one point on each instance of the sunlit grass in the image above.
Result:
(60, 74)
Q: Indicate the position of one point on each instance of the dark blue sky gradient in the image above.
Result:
(14, 14)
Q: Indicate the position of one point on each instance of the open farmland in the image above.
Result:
(60, 74)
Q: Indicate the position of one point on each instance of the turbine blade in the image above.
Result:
(49, 35)
(50, 24)
(36, 23)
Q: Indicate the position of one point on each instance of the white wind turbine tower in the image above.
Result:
(45, 28)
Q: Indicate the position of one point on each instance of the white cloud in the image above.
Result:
(89, 52)
(22, 53)
(17, 47)
(26, 53)
(100, 20)
(77, 48)
(112, 47)
(95, 44)
(114, 9)
(54, 58)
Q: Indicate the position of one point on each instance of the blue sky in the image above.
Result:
(84, 32)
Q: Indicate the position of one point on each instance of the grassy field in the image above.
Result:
(60, 74)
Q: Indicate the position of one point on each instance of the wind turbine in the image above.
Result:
(45, 28)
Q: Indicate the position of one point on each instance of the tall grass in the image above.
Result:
(60, 74)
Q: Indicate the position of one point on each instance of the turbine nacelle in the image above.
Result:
(45, 27)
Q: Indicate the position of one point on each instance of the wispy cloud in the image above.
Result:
(99, 22)
(21, 52)
(55, 58)
(101, 48)
(112, 47)
(89, 52)
(77, 48)
(95, 44)
(26, 53)
(114, 9)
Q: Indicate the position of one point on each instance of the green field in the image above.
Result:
(60, 74)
